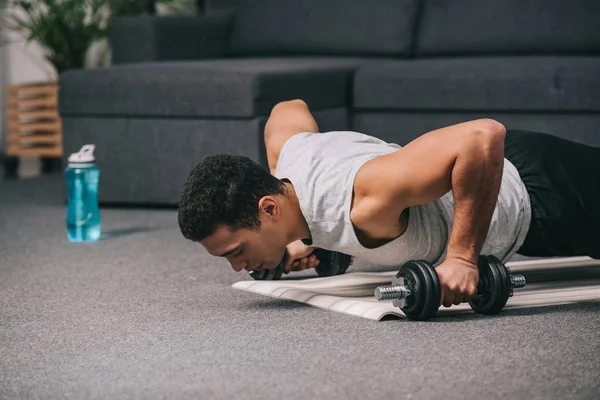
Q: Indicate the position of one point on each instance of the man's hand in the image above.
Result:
(299, 257)
(458, 281)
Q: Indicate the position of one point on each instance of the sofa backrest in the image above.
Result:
(324, 27)
(464, 27)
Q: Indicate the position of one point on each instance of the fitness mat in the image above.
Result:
(352, 293)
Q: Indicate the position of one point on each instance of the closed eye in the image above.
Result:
(241, 249)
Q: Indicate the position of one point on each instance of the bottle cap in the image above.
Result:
(84, 156)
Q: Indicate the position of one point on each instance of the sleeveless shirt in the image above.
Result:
(322, 167)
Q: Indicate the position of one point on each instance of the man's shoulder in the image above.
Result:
(292, 150)
(309, 147)
(323, 141)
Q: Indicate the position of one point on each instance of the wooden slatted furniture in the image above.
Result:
(33, 123)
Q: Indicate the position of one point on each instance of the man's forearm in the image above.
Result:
(287, 119)
(476, 179)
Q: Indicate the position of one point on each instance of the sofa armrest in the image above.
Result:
(168, 38)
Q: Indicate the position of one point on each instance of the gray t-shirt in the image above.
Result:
(322, 168)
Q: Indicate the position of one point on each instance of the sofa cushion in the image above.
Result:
(143, 38)
(210, 88)
(333, 27)
(495, 83)
(403, 127)
(509, 26)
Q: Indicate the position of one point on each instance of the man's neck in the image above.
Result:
(298, 225)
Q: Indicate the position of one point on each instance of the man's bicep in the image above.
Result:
(412, 176)
(286, 120)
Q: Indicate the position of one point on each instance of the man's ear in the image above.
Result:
(269, 206)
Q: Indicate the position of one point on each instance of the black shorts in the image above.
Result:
(563, 181)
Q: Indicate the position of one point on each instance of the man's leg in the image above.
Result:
(563, 181)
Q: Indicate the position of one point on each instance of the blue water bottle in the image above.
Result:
(83, 212)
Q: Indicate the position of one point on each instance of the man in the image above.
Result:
(446, 197)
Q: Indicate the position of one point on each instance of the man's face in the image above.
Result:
(248, 249)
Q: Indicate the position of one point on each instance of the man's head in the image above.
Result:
(232, 206)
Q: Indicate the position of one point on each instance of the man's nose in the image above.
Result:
(239, 265)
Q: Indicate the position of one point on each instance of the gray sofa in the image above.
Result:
(182, 88)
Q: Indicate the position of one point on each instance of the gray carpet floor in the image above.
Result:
(145, 314)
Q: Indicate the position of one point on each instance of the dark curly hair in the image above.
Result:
(224, 190)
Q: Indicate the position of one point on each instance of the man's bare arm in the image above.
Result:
(287, 119)
(466, 158)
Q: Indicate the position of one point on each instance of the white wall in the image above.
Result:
(26, 64)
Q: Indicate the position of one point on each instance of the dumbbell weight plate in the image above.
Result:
(422, 280)
(493, 290)
(331, 262)
(269, 274)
